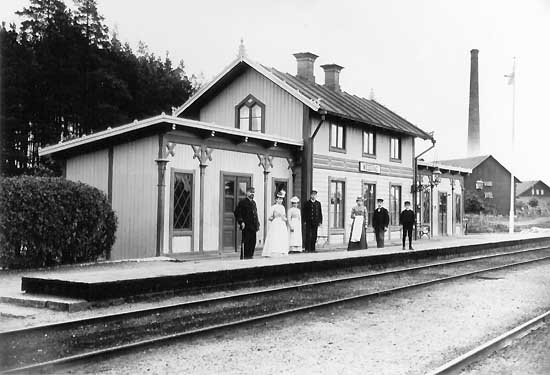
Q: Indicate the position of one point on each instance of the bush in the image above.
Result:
(48, 221)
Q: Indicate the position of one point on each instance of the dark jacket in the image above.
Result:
(380, 218)
(312, 213)
(247, 212)
(406, 218)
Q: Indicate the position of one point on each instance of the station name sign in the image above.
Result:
(369, 168)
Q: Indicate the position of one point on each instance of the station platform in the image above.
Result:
(115, 280)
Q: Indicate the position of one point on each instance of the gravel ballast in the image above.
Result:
(407, 333)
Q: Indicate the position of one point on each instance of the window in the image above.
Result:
(369, 195)
(488, 183)
(395, 204)
(541, 191)
(489, 194)
(369, 143)
(337, 138)
(337, 198)
(395, 148)
(250, 115)
(183, 201)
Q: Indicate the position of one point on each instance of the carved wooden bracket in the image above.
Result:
(266, 161)
(291, 164)
(170, 149)
(203, 153)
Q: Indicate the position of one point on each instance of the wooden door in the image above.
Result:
(278, 185)
(233, 190)
(442, 214)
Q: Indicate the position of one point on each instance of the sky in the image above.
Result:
(413, 54)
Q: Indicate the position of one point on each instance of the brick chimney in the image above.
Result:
(306, 61)
(332, 76)
(473, 113)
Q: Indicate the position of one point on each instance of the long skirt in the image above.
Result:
(276, 240)
(295, 236)
(362, 243)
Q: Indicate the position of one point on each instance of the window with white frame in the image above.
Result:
(395, 204)
(337, 137)
(369, 143)
(250, 115)
(489, 194)
(337, 198)
(395, 148)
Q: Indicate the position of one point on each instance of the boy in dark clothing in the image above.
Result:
(406, 218)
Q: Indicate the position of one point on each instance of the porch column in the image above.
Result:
(453, 208)
(161, 163)
(203, 154)
(292, 167)
(266, 161)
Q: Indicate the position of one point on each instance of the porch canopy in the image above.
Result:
(161, 124)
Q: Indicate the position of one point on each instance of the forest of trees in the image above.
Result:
(62, 75)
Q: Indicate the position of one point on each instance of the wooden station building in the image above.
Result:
(174, 180)
(440, 199)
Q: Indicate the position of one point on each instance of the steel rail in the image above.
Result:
(456, 365)
(166, 308)
(160, 340)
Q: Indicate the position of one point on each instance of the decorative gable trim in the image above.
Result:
(260, 69)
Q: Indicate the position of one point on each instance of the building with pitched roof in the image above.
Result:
(489, 181)
(537, 189)
(174, 180)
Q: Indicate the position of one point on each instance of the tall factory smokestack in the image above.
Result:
(473, 113)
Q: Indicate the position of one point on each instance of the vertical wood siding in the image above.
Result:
(135, 198)
(222, 161)
(283, 113)
(91, 168)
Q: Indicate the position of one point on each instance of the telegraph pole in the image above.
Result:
(512, 81)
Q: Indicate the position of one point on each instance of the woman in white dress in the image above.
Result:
(295, 226)
(276, 240)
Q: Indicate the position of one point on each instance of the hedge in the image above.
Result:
(47, 221)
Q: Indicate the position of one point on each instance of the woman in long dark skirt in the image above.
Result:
(358, 233)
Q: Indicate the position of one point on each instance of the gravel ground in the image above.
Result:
(407, 333)
(529, 355)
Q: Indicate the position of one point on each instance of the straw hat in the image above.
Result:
(294, 200)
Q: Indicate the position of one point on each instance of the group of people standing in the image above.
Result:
(284, 232)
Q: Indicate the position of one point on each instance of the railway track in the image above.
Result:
(456, 365)
(42, 348)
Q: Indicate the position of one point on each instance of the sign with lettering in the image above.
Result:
(369, 168)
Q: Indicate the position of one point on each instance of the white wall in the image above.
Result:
(228, 162)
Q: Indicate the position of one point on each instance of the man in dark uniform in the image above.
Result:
(380, 222)
(312, 216)
(406, 218)
(246, 215)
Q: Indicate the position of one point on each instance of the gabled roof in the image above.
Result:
(473, 162)
(524, 186)
(318, 98)
(163, 119)
(260, 69)
(436, 164)
(469, 163)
